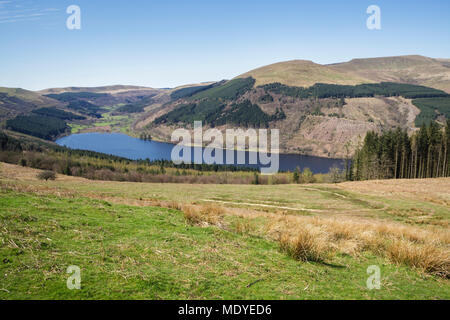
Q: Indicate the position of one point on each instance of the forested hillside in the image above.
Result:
(385, 89)
(39, 126)
(432, 109)
(323, 119)
(57, 113)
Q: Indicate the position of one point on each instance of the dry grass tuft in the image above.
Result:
(308, 246)
(172, 205)
(242, 226)
(313, 238)
(203, 215)
(427, 258)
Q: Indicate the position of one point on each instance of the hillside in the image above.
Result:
(322, 120)
(301, 73)
(16, 101)
(54, 112)
(103, 89)
(321, 110)
(416, 69)
(164, 241)
(420, 70)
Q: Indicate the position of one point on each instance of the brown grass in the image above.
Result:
(424, 257)
(309, 238)
(203, 215)
(242, 226)
(307, 246)
(306, 238)
(429, 190)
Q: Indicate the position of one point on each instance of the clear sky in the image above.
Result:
(169, 43)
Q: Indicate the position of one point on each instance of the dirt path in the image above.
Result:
(326, 191)
(262, 205)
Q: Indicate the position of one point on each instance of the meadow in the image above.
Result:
(182, 241)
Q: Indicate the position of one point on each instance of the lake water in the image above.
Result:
(135, 149)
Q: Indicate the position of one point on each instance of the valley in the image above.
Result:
(321, 110)
(224, 159)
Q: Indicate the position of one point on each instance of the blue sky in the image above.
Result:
(169, 43)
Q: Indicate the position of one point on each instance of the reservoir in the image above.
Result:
(135, 149)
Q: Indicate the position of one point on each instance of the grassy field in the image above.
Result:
(164, 241)
(114, 123)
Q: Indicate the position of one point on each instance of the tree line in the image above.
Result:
(386, 89)
(396, 155)
(215, 113)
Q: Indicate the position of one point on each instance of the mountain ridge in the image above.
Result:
(320, 109)
(410, 69)
(300, 73)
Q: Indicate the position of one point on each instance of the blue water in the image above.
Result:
(135, 149)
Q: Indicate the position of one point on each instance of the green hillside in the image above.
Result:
(385, 89)
(27, 96)
(228, 91)
(189, 91)
(431, 109)
(224, 104)
(73, 96)
(38, 126)
(57, 113)
(152, 253)
(14, 101)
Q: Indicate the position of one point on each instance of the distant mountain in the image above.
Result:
(103, 89)
(302, 73)
(414, 69)
(50, 113)
(26, 95)
(434, 73)
(16, 101)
